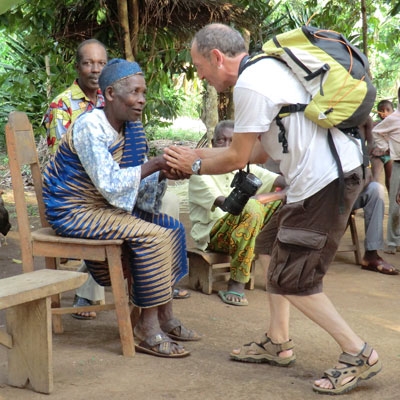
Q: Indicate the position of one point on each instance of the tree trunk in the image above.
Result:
(364, 27)
(124, 21)
(210, 112)
(134, 24)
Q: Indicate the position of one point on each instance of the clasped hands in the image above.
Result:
(180, 160)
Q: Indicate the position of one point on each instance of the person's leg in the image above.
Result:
(90, 289)
(376, 168)
(263, 261)
(89, 293)
(320, 309)
(151, 339)
(388, 173)
(308, 238)
(170, 206)
(275, 347)
(236, 235)
(358, 360)
(393, 223)
(371, 200)
(265, 241)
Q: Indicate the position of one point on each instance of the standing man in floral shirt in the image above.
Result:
(83, 95)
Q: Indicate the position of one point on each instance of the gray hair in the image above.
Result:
(219, 36)
(222, 125)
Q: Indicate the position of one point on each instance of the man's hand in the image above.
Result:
(376, 152)
(173, 174)
(180, 158)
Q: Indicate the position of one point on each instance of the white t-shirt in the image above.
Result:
(260, 92)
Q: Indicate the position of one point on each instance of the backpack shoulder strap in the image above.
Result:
(250, 60)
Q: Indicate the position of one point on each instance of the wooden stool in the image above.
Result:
(355, 244)
(205, 268)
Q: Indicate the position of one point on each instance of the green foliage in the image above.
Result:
(36, 30)
(24, 82)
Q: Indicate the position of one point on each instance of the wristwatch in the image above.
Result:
(196, 167)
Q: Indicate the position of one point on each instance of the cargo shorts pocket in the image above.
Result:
(297, 267)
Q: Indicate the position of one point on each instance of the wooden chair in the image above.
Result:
(44, 242)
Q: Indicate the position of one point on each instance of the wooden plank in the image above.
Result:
(65, 250)
(38, 284)
(72, 310)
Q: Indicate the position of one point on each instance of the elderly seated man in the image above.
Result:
(100, 185)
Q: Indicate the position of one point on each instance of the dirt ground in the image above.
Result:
(88, 363)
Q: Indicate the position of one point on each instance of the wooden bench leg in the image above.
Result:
(51, 263)
(200, 274)
(30, 358)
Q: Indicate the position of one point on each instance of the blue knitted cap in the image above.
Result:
(117, 69)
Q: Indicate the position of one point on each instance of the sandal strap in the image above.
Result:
(171, 324)
(276, 348)
(157, 339)
(360, 359)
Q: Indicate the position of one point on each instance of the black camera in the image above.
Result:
(245, 185)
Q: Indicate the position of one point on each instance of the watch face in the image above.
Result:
(196, 166)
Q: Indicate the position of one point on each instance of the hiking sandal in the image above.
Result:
(265, 352)
(358, 368)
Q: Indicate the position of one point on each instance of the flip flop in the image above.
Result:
(223, 295)
(82, 302)
(381, 266)
(177, 293)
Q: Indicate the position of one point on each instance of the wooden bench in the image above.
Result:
(27, 300)
(205, 268)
